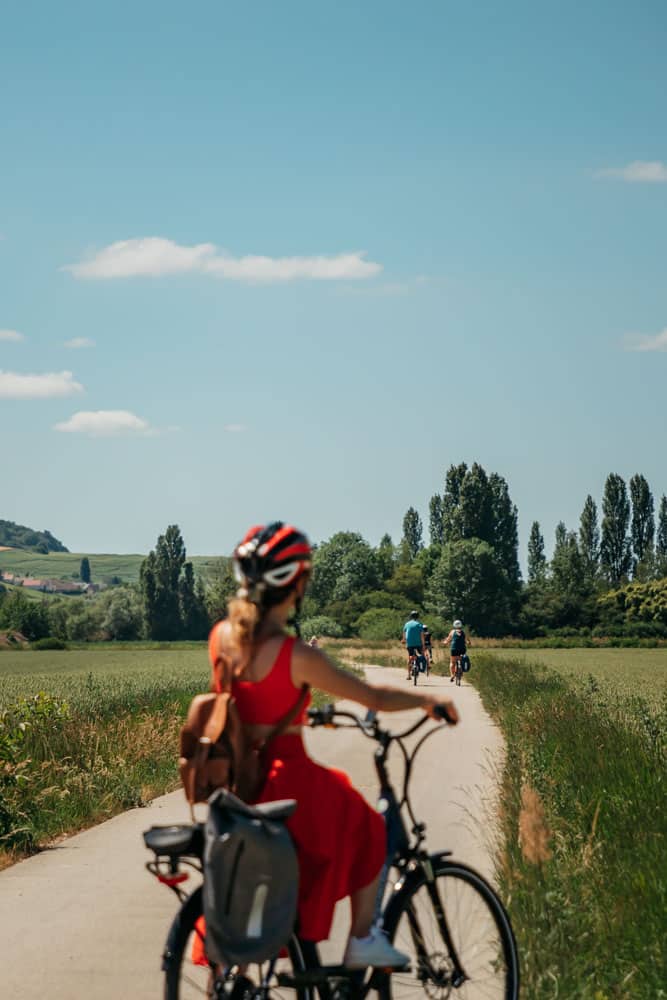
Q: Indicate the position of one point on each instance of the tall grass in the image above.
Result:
(585, 821)
(85, 735)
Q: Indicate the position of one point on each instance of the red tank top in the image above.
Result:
(265, 702)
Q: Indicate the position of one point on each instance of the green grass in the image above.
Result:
(65, 565)
(621, 671)
(86, 733)
(585, 828)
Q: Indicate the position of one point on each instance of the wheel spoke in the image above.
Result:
(477, 935)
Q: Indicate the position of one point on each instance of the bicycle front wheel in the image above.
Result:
(458, 937)
(189, 980)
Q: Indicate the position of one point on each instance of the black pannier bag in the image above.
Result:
(251, 879)
(465, 663)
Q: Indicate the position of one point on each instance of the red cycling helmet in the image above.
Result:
(270, 557)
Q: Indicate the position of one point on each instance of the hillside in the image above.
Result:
(18, 536)
(66, 565)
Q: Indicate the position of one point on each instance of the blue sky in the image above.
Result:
(321, 253)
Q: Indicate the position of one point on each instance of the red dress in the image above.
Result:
(340, 840)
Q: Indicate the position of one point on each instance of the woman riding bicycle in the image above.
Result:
(340, 839)
(457, 647)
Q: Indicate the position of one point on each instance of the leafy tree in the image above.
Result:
(451, 501)
(615, 555)
(194, 619)
(505, 536)
(122, 618)
(222, 585)
(407, 584)
(84, 570)
(566, 563)
(344, 565)
(469, 583)
(537, 561)
(18, 613)
(589, 539)
(642, 527)
(661, 538)
(159, 579)
(386, 557)
(435, 519)
(412, 534)
(476, 505)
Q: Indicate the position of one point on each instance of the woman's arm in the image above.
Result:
(312, 666)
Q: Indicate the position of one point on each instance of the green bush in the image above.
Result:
(321, 625)
(381, 623)
(49, 642)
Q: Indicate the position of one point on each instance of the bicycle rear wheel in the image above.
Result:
(458, 936)
(185, 980)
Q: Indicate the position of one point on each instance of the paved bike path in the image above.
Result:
(84, 919)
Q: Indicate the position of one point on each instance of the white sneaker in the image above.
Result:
(375, 950)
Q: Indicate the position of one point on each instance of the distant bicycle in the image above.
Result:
(418, 664)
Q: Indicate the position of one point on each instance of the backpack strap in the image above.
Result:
(289, 716)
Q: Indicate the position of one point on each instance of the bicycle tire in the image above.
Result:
(415, 673)
(187, 982)
(482, 938)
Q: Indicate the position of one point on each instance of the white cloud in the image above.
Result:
(104, 423)
(234, 428)
(154, 256)
(52, 385)
(637, 172)
(77, 343)
(11, 335)
(641, 342)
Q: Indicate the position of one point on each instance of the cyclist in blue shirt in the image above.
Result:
(413, 637)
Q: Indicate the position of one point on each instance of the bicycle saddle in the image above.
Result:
(174, 840)
(281, 809)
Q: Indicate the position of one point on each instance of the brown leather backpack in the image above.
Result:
(216, 753)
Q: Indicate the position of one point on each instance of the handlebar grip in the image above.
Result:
(321, 716)
(442, 712)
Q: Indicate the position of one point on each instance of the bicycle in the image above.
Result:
(439, 911)
(418, 664)
(458, 671)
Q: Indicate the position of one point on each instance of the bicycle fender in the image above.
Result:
(404, 885)
(182, 922)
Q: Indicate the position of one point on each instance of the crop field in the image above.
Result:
(640, 672)
(65, 565)
(86, 733)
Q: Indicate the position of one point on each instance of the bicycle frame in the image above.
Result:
(410, 858)
(405, 852)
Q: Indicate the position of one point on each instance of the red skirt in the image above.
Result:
(340, 840)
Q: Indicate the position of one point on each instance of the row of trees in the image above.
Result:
(468, 569)
(470, 566)
(169, 603)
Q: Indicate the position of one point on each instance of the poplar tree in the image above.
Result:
(435, 519)
(642, 528)
(615, 554)
(159, 580)
(589, 539)
(661, 538)
(412, 533)
(451, 513)
(504, 522)
(84, 570)
(537, 561)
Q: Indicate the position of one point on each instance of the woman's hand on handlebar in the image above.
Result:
(442, 710)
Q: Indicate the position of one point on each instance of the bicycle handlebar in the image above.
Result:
(327, 715)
